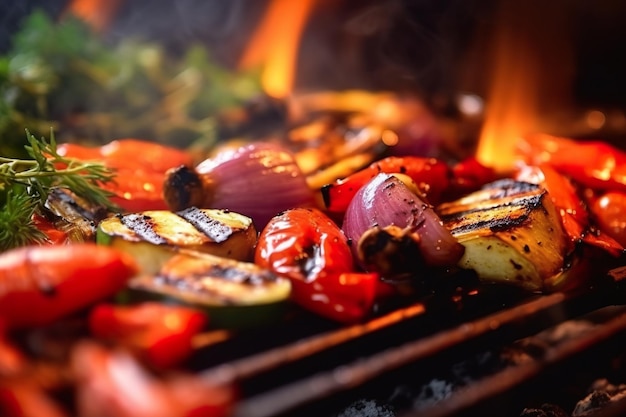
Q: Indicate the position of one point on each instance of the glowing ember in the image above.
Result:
(275, 45)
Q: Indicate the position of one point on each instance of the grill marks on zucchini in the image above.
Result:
(207, 280)
(147, 228)
(214, 229)
(154, 236)
(144, 226)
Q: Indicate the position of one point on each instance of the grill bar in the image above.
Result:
(283, 355)
(503, 326)
(465, 401)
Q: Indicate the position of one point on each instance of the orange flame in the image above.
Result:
(275, 43)
(97, 13)
(523, 80)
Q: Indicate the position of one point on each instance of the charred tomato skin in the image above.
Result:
(306, 246)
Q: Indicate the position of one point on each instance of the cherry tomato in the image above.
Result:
(307, 247)
(41, 284)
(160, 333)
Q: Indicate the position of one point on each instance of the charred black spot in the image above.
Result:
(143, 226)
(395, 256)
(515, 264)
(526, 248)
(181, 185)
(325, 190)
(47, 290)
(309, 261)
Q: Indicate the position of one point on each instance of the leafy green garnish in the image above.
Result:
(26, 183)
(61, 74)
(16, 221)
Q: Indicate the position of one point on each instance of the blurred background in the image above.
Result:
(561, 62)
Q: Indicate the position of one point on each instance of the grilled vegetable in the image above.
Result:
(512, 234)
(307, 247)
(259, 180)
(152, 236)
(139, 166)
(235, 293)
(160, 334)
(41, 284)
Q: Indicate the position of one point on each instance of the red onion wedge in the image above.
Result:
(395, 233)
(258, 180)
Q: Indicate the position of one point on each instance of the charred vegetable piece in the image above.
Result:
(113, 383)
(395, 233)
(258, 180)
(139, 166)
(512, 234)
(572, 210)
(161, 334)
(152, 236)
(307, 247)
(41, 284)
(234, 293)
(72, 215)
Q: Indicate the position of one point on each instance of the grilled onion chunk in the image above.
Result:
(512, 234)
(154, 236)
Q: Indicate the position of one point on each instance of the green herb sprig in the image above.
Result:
(26, 183)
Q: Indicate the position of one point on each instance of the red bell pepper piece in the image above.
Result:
(21, 398)
(307, 247)
(571, 208)
(609, 211)
(140, 170)
(53, 235)
(161, 334)
(12, 361)
(130, 154)
(113, 383)
(431, 176)
(435, 178)
(593, 164)
(136, 191)
(467, 176)
(41, 284)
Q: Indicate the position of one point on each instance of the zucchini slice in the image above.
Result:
(153, 237)
(234, 293)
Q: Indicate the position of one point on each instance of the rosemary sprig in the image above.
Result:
(16, 224)
(26, 183)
